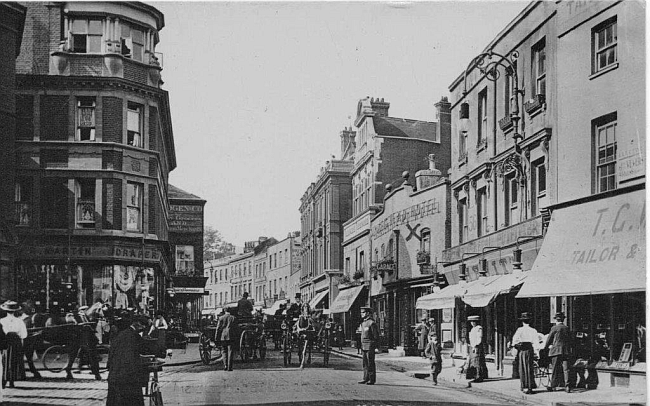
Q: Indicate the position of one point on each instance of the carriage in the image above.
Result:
(306, 336)
(251, 344)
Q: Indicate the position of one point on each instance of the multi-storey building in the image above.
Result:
(217, 285)
(537, 121)
(186, 240)
(385, 148)
(93, 152)
(12, 23)
(324, 207)
(281, 265)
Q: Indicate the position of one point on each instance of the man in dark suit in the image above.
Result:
(559, 339)
(244, 306)
(369, 342)
(124, 383)
(226, 334)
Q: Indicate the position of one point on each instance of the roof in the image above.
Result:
(264, 245)
(180, 194)
(404, 127)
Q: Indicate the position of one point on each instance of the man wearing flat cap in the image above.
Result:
(559, 341)
(369, 342)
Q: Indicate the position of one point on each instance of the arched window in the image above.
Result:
(425, 242)
(383, 251)
(389, 254)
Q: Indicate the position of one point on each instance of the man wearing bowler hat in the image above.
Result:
(369, 342)
(559, 339)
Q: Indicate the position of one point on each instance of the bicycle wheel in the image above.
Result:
(544, 377)
(155, 398)
(55, 358)
(286, 349)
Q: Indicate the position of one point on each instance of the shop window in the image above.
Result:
(185, 259)
(605, 150)
(538, 186)
(604, 45)
(132, 39)
(134, 125)
(85, 119)
(86, 36)
(23, 201)
(539, 67)
(481, 211)
(85, 203)
(463, 226)
(134, 206)
(54, 203)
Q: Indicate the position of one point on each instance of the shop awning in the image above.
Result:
(486, 290)
(345, 299)
(276, 306)
(593, 248)
(313, 303)
(444, 299)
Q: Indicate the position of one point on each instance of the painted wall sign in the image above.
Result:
(149, 254)
(185, 218)
(199, 291)
(630, 164)
(427, 208)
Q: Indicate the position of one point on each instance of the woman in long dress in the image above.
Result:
(523, 341)
(159, 330)
(16, 331)
(476, 366)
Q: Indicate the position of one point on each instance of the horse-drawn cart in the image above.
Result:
(251, 342)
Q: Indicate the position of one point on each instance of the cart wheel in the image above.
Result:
(205, 351)
(286, 350)
(245, 350)
(55, 358)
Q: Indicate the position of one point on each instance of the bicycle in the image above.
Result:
(541, 373)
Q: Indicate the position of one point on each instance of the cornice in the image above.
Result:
(72, 83)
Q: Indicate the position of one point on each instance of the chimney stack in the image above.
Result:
(428, 177)
(379, 106)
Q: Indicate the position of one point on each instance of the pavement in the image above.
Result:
(53, 389)
(500, 383)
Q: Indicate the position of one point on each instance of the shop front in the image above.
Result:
(592, 267)
(59, 278)
(186, 301)
(346, 308)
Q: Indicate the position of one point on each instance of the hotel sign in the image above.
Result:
(185, 218)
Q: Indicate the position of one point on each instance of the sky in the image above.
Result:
(259, 92)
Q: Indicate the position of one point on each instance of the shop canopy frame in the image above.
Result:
(313, 303)
(345, 299)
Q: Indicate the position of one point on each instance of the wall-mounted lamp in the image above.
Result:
(516, 253)
(483, 271)
(462, 275)
(437, 278)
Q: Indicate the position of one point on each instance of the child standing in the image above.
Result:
(434, 353)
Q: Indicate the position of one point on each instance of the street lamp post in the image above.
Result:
(488, 63)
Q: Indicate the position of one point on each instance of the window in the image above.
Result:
(134, 206)
(511, 199)
(86, 36)
(85, 119)
(134, 125)
(605, 40)
(275, 260)
(539, 67)
(462, 145)
(362, 261)
(54, 203)
(286, 256)
(481, 211)
(482, 117)
(389, 252)
(425, 242)
(23, 201)
(507, 92)
(347, 266)
(462, 220)
(85, 203)
(605, 140)
(538, 186)
(132, 39)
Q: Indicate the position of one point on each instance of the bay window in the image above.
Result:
(134, 206)
(134, 125)
(86, 36)
(85, 119)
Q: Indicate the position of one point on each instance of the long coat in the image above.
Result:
(125, 375)
(423, 330)
(369, 335)
(226, 328)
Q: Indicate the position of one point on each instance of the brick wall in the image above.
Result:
(153, 167)
(153, 203)
(112, 122)
(41, 36)
(24, 117)
(54, 117)
(153, 129)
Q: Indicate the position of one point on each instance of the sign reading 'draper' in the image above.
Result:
(185, 218)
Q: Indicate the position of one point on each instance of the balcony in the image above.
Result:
(534, 105)
(423, 258)
(110, 64)
(359, 274)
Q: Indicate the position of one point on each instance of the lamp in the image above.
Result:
(516, 253)
(462, 274)
(489, 68)
(483, 271)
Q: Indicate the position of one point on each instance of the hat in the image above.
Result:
(525, 316)
(432, 320)
(10, 306)
(83, 308)
(559, 316)
(473, 318)
(298, 295)
(366, 309)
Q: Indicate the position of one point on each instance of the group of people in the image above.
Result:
(429, 345)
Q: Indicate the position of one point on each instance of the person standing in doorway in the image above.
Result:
(423, 333)
(476, 366)
(523, 340)
(369, 343)
(227, 335)
(559, 341)
(159, 331)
